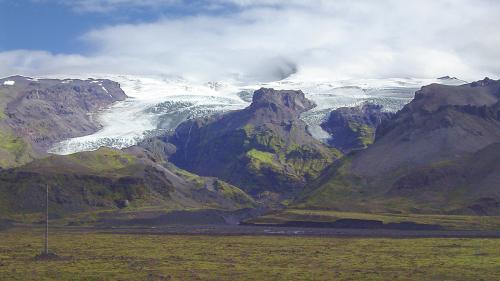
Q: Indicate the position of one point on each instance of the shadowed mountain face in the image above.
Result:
(264, 147)
(474, 178)
(35, 114)
(438, 154)
(354, 127)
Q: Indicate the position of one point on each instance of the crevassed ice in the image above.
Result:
(159, 104)
(155, 105)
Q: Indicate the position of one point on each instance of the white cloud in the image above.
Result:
(268, 39)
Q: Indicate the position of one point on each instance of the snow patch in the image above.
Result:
(9, 83)
(104, 89)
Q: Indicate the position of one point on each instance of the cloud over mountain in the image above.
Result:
(263, 40)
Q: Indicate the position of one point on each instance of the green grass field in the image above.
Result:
(99, 256)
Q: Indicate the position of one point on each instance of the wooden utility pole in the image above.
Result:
(46, 248)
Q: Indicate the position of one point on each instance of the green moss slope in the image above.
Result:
(14, 151)
(271, 158)
(104, 179)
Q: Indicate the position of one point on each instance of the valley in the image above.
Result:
(254, 140)
(252, 175)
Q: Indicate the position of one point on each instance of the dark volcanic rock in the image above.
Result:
(264, 147)
(354, 127)
(50, 257)
(199, 217)
(354, 224)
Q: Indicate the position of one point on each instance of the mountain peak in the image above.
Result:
(485, 82)
(293, 100)
(262, 148)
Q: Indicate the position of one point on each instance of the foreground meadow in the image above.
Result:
(89, 255)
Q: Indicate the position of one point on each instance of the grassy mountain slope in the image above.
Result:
(263, 148)
(439, 154)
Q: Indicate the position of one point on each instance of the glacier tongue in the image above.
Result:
(159, 104)
(155, 105)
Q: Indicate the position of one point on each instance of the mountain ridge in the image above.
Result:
(427, 158)
(429, 138)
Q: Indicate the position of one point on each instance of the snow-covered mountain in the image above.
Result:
(159, 104)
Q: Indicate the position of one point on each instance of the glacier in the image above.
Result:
(158, 104)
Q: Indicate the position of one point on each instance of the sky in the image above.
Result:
(251, 40)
